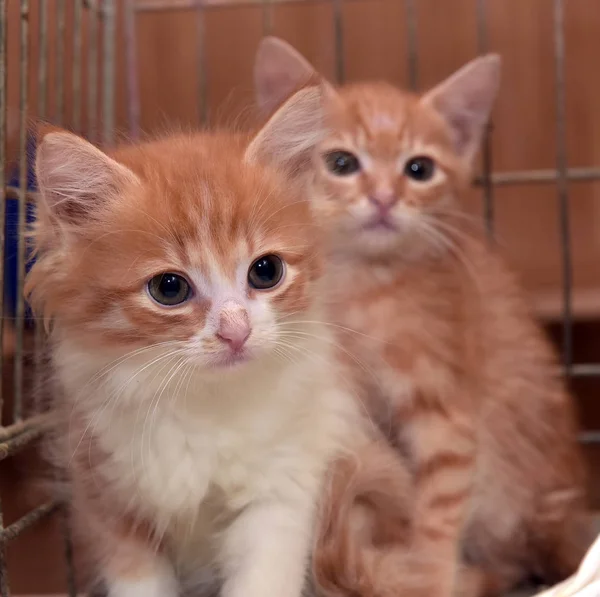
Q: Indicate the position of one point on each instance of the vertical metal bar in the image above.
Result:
(202, 67)
(562, 182)
(41, 114)
(486, 175)
(411, 39)
(66, 531)
(133, 95)
(77, 49)
(92, 99)
(60, 62)
(3, 126)
(108, 77)
(43, 61)
(23, 171)
(267, 17)
(338, 26)
(4, 589)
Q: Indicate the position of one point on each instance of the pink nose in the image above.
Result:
(234, 326)
(383, 200)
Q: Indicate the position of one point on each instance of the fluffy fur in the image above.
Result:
(195, 455)
(455, 372)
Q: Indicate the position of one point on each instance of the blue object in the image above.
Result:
(11, 232)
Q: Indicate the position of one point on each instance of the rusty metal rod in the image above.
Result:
(160, 5)
(411, 40)
(22, 218)
(267, 17)
(60, 62)
(108, 71)
(92, 97)
(133, 92)
(338, 30)
(16, 528)
(77, 51)
(486, 153)
(202, 66)
(562, 182)
(3, 194)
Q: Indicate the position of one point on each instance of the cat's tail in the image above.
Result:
(364, 523)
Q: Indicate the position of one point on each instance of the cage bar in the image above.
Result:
(486, 152)
(43, 60)
(4, 589)
(92, 93)
(174, 5)
(133, 93)
(22, 211)
(338, 30)
(202, 65)
(410, 11)
(77, 50)
(3, 195)
(267, 17)
(562, 183)
(108, 78)
(60, 62)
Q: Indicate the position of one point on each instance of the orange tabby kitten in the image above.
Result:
(200, 400)
(452, 365)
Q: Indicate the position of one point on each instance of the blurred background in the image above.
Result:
(114, 69)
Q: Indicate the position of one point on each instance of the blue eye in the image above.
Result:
(169, 289)
(266, 272)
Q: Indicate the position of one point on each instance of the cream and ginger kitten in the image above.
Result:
(199, 399)
(455, 369)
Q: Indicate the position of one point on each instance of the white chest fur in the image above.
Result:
(218, 443)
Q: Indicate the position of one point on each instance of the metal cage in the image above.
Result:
(89, 43)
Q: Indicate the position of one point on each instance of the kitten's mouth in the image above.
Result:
(381, 223)
(232, 358)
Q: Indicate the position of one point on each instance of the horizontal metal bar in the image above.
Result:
(589, 437)
(157, 5)
(498, 178)
(542, 176)
(39, 421)
(15, 193)
(11, 446)
(29, 519)
(585, 370)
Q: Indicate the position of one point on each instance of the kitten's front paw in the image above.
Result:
(155, 586)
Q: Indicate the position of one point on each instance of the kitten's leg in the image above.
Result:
(442, 443)
(266, 550)
(129, 564)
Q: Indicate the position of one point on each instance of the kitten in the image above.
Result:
(199, 398)
(452, 364)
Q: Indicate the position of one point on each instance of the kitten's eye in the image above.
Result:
(169, 289)
(266, 272)
(420, 168)
(342, 163)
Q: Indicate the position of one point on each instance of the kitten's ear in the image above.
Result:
(75, 179)
(291, 134)
(279, 70)
(465, 100)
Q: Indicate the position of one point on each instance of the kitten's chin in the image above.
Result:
(377, 241)
(230, 360)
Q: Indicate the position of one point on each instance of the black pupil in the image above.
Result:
(169, 289)
(420, 168)
(170, 286)
(342, 162)
(265, 272)
(265, 269)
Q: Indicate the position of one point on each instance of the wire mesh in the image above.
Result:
(92, 43)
